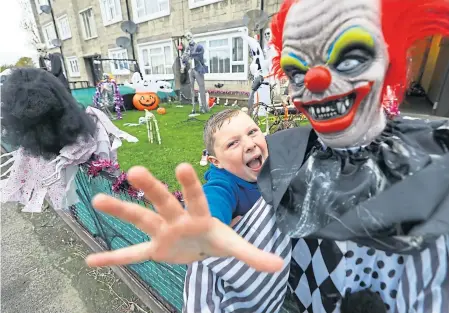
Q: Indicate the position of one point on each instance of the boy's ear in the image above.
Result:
(214, 161)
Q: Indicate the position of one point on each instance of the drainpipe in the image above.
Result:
(261, 31)
(133, 51)
(56, 32)
(131, 35)
(440, 95)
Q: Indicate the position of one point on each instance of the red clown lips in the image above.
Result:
(336, 113)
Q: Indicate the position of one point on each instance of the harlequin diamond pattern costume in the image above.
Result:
(370, 194)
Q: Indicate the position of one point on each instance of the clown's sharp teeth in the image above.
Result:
(328, 109)
(312, 110)
(318, 110)
(339, 107)
(343, 109)
(347, 103)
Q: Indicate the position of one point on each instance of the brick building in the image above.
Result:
(89, 28)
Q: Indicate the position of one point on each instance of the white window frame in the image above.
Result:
(60, 29)
(193, 5)
(69, 66)
(47, 40)
(114, 71)
(148, 17)
(117, 18)
(155, 45)
(229, 34)
(93, 24)
(38, 5)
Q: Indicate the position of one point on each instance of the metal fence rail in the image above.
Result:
(158, 285)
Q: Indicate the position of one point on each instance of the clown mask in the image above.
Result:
(335, 57)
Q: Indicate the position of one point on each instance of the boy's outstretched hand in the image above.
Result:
(178, 236)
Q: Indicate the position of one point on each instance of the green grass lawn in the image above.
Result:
(181, 142)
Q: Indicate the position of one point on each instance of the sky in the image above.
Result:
(14, 41)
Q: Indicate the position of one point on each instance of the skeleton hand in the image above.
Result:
(60, 163)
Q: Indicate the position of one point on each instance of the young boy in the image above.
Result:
(237, 150)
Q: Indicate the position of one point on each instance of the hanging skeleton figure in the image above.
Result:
(52, 63)
(53, 136)
(357, 203)
(194, 57)
(260, 69)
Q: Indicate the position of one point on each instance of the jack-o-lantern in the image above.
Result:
(145, 100)
(161, 111)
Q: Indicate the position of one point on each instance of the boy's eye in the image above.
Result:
(252, 132)
(231, 144)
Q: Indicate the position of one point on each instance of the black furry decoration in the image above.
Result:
(364, 301)
(40, 114)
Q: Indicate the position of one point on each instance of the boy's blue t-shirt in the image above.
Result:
(228, 196)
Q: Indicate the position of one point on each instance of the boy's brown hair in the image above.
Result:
(213, 124)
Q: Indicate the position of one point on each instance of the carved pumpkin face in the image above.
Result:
(145, 101)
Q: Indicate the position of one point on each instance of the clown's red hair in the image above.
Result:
(277, 33)
(403, 23)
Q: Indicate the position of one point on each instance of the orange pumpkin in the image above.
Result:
(161, 111)
(147, 100)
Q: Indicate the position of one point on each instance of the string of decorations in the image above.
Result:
(120, 183)
(227, 92)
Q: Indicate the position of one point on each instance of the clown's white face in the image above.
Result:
(336, 59)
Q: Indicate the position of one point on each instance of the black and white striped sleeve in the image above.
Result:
(424, 287)
(228, 285)
(201, 292)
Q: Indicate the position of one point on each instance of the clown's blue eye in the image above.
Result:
(298, 79)
(348, 65)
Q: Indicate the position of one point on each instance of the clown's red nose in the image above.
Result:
(317, 79)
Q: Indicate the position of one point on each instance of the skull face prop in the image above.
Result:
(267, 35)
(189, 36)
(42, 50)
(336, 65)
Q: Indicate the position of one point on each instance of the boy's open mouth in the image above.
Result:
(255, 163)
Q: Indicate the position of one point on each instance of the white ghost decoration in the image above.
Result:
(148, 84)
(259, 65)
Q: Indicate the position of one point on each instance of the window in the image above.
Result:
(119, 67)
(199, 3)
(88, 22)
(64, 27)
(224, 53)
(156, 59)
(111, 11)
(145, 10)
(49, 34)
(73, 66)
(39, 3)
